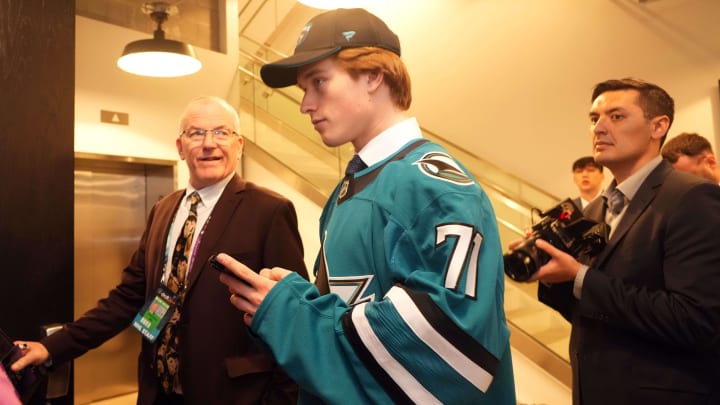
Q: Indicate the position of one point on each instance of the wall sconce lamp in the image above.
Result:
(159, 57)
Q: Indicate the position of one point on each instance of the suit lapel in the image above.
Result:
(640, 202)
(596, 210)
(217, 222)
(163, 218)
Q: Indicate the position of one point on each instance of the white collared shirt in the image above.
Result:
(585, 202)
(390, 141)
(209, 196)
(630, 186)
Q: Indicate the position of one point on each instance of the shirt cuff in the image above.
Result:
(579, 279)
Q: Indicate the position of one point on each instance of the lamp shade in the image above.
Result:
(159, 57)
(333, 4)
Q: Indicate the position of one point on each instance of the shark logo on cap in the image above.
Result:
(303, 34)
(348, 35)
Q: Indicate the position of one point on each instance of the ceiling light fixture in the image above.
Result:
(159, 57)
(333, 4)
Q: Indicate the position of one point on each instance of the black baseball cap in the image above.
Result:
(327, 34)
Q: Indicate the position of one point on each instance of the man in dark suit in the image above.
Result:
(216, 359)
(645, 312)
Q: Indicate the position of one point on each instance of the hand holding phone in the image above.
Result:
(221, 268)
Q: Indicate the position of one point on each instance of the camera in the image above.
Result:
(563, 226)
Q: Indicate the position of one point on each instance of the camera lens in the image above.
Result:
(520, 264)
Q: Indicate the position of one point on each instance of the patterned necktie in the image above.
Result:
(355, 164)
(167, 358)
(615, 203)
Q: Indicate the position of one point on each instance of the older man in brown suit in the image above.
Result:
(204, 355)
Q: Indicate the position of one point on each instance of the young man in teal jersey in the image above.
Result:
(408, 301)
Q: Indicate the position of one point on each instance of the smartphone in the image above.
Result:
(219, 267)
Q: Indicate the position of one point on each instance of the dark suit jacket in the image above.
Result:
(647, 328)
(578, 202)
(219, 362)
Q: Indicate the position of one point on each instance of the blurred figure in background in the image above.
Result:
(588, 177)
(692, 153)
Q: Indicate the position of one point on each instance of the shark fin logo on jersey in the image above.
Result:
(442, 166)
(352, 288)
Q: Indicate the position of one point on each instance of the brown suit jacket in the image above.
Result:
(219, 361)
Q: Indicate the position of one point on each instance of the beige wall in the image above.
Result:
(511, 80)
(508, 80)
(154, 106)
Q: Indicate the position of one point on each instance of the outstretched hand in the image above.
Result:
(33, 354)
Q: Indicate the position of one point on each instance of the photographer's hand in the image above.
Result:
(514, 244)
(561, 267)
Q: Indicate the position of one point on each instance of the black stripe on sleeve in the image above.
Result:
(445, 326)
(388, 384)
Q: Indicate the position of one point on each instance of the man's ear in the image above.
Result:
(660, 126)
(178, 144)
(711, 160)
(374, 80)
(242, 146)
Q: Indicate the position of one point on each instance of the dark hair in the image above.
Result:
(586, 161)
(687, 143)
(653, 100)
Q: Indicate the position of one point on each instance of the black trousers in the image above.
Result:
(172, 399)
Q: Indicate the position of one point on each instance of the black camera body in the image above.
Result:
(563, 226)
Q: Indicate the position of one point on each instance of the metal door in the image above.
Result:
(112, 199)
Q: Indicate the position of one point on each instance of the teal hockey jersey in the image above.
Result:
(408, 301)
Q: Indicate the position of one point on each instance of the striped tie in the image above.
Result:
(615, 202)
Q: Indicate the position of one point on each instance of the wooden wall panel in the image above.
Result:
(37, 90)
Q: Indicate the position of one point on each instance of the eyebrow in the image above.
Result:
(223, 126)
(610, 111)
(308, 74)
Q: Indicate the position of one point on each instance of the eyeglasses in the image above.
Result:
(221, 135)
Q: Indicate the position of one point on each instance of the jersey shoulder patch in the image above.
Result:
(442, 166)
